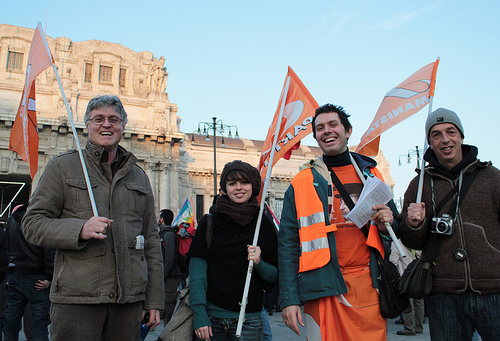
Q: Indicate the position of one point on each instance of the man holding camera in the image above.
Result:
(466, 277)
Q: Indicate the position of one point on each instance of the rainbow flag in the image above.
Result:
(186, 214)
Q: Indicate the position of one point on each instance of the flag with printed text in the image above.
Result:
(398, 104)
(24, 133)
(294, 126)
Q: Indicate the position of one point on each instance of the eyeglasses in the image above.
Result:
(99, 120)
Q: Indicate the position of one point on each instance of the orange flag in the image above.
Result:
(24, 133)
(294, 126)
(398, 104)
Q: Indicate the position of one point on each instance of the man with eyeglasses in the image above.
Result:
(108, 269)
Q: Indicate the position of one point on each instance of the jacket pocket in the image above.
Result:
(78, 194)
(483, 253)
(138, 271)
(138, 198)
(80, 271)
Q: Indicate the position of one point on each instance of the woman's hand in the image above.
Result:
(204, 333)
(254, 254)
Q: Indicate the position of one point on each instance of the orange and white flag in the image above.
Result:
(24, 133)
(398, 104)
(295, 123)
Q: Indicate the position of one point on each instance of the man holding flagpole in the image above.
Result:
(108, 268)
(325, 262)
(458, 217)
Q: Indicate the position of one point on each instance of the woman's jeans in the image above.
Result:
(225, 329)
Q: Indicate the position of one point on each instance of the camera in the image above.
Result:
(442, 225)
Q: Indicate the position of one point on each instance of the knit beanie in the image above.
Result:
(250, 171)
(442, 115)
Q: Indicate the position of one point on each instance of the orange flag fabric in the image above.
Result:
(294, 126)
(398, 104)
(24, 133)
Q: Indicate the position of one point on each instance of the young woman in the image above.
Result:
(218, 273)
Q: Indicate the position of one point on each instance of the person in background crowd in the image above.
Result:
(30, 274)
(4, 266)
(413, 321)
(172, 273)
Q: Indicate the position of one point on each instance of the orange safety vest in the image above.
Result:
(315, 249)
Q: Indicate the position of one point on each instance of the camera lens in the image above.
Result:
(441, 227)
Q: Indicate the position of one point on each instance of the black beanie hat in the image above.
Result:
(250, 171)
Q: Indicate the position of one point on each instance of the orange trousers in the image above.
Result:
(354, 315)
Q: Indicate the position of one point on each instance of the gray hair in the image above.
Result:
(107, 102)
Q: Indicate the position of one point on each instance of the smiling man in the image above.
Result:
(108, 269)
(466, 288)
(325, 261)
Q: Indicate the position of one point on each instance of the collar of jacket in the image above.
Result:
(95, 152)
(467, 169)
(469, 154)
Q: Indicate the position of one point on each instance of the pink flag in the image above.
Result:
(398, 104)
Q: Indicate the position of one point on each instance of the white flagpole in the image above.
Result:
(422, 162)
(75, 133)
(244, 300)
(387, 225)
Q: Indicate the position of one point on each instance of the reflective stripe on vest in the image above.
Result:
(315, 249)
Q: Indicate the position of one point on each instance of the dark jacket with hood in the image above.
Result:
(476, 229)
(4, 254)
(170, 251)
(26, 258)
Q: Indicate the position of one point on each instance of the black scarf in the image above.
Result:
(241, 214)
(469, 154)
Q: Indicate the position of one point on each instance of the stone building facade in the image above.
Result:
(179, 165)
(197, 162)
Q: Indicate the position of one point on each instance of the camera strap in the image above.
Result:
(462, 188)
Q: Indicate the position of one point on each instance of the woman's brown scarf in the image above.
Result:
(241, 214)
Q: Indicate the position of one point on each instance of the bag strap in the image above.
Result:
(345, 196)
(340, 187)
(447, 197)
(437, 239)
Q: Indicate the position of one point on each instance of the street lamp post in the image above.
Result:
(218, 128)
(411, 152)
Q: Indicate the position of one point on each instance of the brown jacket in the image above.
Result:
(477, 231)
(111, 270)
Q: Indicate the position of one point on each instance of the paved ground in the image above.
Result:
(282, 332)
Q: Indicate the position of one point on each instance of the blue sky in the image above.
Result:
(229, 58)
